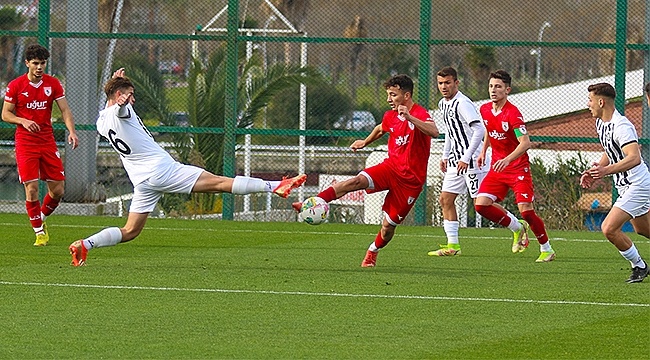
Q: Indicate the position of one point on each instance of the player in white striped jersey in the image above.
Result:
(621, 159)
(463, 141)
(153, 171)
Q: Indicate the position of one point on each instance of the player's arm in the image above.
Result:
(66, 114)
(480, 161)
(632, 158)
(445, 153)
(8, 115)
(522, 147)
(375, 134)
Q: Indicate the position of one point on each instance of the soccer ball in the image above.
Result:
(314, 211)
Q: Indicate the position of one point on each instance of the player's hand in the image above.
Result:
(462, 167)
(31, 126)
(358, 144)
(480, 161)
(500, 165)
(73, 140)
(586, 180)
(597, 172)
(124, 99)
(443, 165)
(403, 111)
(118, 73)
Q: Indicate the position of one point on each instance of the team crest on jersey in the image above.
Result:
(48, 90)
(411, 126)
(505, 126)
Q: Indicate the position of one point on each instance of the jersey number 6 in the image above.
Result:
(118, 144)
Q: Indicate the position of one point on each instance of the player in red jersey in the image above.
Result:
(510, 169)
(28, 104)
(404, 172)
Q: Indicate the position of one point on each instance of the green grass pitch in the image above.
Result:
(194, 289)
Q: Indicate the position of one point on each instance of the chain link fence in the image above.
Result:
(260, 121)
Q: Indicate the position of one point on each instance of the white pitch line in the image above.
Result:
(305, 293)
(250, 231)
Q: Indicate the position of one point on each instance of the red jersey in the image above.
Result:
(408, 147)
(34, 102)
(503, 129)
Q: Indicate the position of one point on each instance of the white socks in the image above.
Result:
(243, 185)
(632, 254)
(107, 237)
(451, 229)
(514, 222)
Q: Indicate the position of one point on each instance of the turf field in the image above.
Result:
(216, 289)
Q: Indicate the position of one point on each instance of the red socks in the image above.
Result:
(34, 213)
(379, 241)
(493, 214)
(328, 194)
(49, 204)
(536, 225)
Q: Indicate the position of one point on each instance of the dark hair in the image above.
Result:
(448, 71)
(647, 89)
(501, 75)
(402, 81)
(36, 51)
(603, 89)
(115, 84)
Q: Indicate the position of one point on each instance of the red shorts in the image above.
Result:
(39, 161)
(401, 195)
(496, 185)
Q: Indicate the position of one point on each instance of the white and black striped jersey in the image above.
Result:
(141, 155)
(614, 135)
(461, 119)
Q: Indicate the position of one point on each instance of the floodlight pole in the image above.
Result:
(538, 52)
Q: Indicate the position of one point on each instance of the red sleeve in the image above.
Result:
(57, 89)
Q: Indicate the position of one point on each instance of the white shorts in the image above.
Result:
(459, 184)
(178, 178)
(634, 199)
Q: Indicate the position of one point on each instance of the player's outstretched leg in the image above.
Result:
(286, 185)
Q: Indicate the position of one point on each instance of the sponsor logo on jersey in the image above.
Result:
(505, 126)
(497, 135)
(521, 177)
(37, 105)
(26, 94)
(525, 195)
(402, 140)
(48, 90)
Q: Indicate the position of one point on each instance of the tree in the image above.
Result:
(481, 60)
(356, 29)
(10, 19)
(325, 105)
